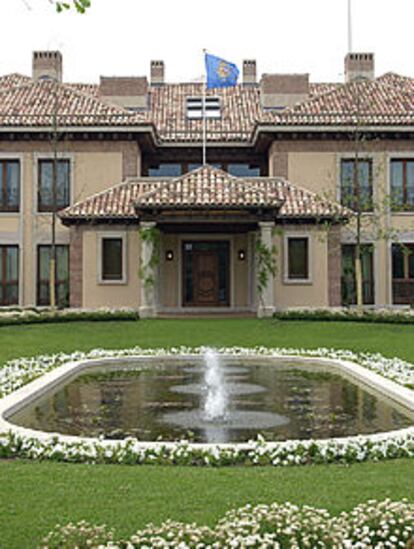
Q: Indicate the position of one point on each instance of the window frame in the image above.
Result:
(100, 257)
(40, 281)
(406, 280)
(286, 270)
(48, 209)
(3, 281)
(369, 283)
(405, 206)
(3, 166)
(351, 160)
(197, 108)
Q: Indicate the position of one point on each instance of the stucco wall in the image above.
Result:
(303, 294)
(98, 294)
(95, 167)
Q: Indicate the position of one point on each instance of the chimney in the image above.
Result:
(278, 91)
(359, 66)
(47, 64)
(157, 72)
(130, 92)
(249, 71)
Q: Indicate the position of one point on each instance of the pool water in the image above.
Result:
(151, 401)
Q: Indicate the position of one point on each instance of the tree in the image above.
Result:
(79, 5)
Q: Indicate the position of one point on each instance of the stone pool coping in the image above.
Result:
(18, 399)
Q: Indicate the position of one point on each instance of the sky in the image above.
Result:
(120, 37)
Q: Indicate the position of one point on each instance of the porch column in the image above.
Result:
(148, 276)
(266, 304)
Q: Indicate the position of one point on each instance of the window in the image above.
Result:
(61, 275)
(243, 170)
(403, 274)
(112, 257)
(165, 170)
(45, 189)
(195, 107)
(349, 188)
(9, 185)
(9, 275)
(298, 258)
(402, 184)
(348, 280)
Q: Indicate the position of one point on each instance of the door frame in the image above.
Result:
(229, 280)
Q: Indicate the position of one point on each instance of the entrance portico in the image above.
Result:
(200, 241)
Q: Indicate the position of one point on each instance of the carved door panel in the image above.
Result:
(205, 264)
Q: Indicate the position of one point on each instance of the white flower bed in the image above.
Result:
(18, 372)
(371, 524)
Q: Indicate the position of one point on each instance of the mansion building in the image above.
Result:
(267, 223)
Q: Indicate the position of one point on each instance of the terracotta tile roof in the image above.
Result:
(13, 80)
(208, 187)
(376, 102)
(204, 188)
(34, 104)
(388, 100)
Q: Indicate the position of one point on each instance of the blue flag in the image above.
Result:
(220, 73)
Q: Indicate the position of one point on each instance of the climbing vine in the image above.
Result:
(266, 265)
(150, 235)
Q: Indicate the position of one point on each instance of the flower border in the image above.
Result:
(396, 444)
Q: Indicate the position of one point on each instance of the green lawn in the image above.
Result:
(35, 496)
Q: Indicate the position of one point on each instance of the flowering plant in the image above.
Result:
(371, 524)
(398, 444)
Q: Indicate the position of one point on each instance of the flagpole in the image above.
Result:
(349, 26)
(204, 111)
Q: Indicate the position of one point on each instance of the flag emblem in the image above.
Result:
(220, 73)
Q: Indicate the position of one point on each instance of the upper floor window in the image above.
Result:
(243, 170)
(50, 199)
(356, 188)
(165, 170)
(195, 107)
(402, 184)
(9, 185)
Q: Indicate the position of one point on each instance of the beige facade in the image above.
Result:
(319, 171)
(276, 151)
(94, 167)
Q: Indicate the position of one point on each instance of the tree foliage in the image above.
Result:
(79, 5)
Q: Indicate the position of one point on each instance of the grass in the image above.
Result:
(389, 339)
(35, 496)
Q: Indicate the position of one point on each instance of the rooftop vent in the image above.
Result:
(359, 66)
(157, 72)
(249, 71)
(47, 65)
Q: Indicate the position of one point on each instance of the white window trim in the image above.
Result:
(111, 235)
(297, 281)
(50, 156)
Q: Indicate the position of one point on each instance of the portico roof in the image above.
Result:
(206, 188)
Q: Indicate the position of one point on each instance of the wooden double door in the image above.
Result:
(206, 276)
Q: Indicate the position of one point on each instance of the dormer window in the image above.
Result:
(195, 107)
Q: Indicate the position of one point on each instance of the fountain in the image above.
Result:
(215, 406)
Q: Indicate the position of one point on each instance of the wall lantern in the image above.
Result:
(241, 255)
(169, 255)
